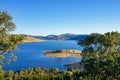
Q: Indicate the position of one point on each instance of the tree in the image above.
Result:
(1, 74)
(8, 42)
(56, 70)
(99, 43)
(101, 54)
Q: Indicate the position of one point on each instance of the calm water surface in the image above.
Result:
(31, 55)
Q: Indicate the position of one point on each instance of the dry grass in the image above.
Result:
(32, 39)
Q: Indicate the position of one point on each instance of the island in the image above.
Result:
(63, 53)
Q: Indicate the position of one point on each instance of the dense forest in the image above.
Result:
(100, 57)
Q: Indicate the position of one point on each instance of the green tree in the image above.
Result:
(8, 42)
(1, 74)
(56, 70)
(101, 54)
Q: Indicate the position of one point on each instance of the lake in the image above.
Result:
(32, 55)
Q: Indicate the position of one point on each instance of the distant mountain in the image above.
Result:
(67, 36)
(51, 37)
(79, 37)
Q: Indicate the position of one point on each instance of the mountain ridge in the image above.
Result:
(67, 36)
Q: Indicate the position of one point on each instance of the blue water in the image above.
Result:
(31, 55)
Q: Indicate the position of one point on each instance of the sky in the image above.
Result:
(45, 17)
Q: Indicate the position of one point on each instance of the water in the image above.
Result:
(31, 55)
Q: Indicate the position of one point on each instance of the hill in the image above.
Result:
(67, 36)
(32, 39)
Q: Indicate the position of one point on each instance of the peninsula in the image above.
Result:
(63, 53)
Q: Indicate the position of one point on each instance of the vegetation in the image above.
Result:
(101, 62)
(8, 42)
(58, 51)
(100, 57)
(43, 74)
(64, 51)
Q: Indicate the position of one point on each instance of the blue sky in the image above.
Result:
(43, 17)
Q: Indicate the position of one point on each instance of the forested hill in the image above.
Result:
(67, 36)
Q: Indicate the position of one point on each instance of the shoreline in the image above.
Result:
(74, 65)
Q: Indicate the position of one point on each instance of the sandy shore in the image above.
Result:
(63, 53)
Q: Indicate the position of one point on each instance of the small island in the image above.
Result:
(63, 53)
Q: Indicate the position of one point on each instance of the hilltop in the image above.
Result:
(32, 39)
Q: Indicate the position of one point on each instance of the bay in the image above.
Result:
(32, 55)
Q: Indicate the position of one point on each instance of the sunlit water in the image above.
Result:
(31, 55)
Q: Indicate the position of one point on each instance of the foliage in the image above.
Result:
(1, 74)
(50, 74)
(8, 42)
(101, 55)
(58, 51)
